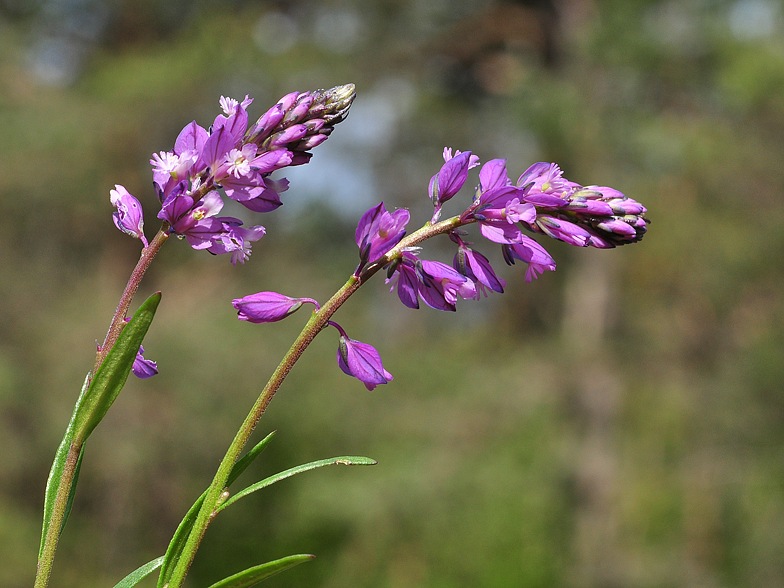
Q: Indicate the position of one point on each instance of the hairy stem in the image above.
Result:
(56, 522)
(118, 320)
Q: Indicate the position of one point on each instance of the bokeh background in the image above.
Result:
(617, 423)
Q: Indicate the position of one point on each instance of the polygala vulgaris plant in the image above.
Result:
(234, 159)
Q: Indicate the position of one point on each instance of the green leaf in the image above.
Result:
(139, 574)
(174, 550)
(256, 574)
(247, 459)
(56, 473)
(111, 376)
(346, 460)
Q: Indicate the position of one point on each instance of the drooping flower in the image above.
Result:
(404, 276)
(532, 253)
(477, 268)
(143, 368)
(379, 231)
(129, 217)
(195, 221)
(360, 360)
(436, 283)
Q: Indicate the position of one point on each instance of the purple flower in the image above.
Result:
(379, 231)
(476, 268)
(499, 205)
(493, 175)
(436, 283)
(235, 239)
(533, 254)
(440, 285)
(407, 280)
(450, 178)
(545, 178)
(143, 368)
(129, 217)
(268, 307)
(360, 360)
(194, 221)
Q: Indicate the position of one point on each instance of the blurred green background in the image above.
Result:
(617, 423)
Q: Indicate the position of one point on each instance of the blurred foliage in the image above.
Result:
(616, 423)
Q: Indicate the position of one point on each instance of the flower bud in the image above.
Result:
(129, 217)
(267, 307)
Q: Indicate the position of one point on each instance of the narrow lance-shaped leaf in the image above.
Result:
(111, 376)
(346, 460)
(139, 574)
(256, 574)
(91, 406)
(177, 543)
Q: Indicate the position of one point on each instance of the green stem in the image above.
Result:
(69, 469)
(56, 522)
(317, 322)
(118, 320)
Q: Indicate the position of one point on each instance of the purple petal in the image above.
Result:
(143, 368)
(493, 175)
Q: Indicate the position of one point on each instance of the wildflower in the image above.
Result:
(545, 178)
(360, 360)
(436, 283)
(194, 221)
(129, 217)
(235, 239)
(532, 253)
(379, 231)
(476, 268)
(268, 307)
(452, 175)
(499, 205)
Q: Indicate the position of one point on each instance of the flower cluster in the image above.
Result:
(541, 201)
(238, 159)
